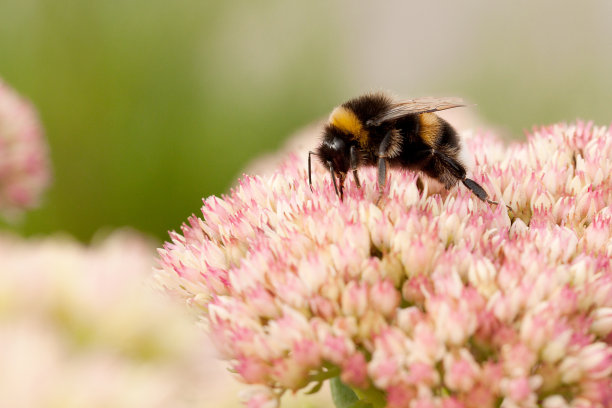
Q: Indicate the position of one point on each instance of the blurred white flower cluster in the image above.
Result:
(24, 165)
(79, 327)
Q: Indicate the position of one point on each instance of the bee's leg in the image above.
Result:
(455, 168)
(354, 163)
(382, 162)
(458, 171)
(477, 190)
(385, 144)
(333, 177)
(419, 184)
(309, 170)
(382, 176)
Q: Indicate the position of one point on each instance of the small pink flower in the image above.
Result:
(408, 318)
(385, 370)
(454, 320)
(252, 370)
(422, 373)
(451, 402)
(324, 308)
(555, 401)
(596, 235)
(399, 396)
(597, 391)
(479, 397)
(491, 375)
(595, 360)
(336, 348)
(355, 299)
(518, 389)
(384, 297)
(289, 373)
(518, 359)
(426, 346)
(415, 289)
(461, 371)
(260, 398)
(423, 402)
(355, 371)
(602, 321)
(307, 352)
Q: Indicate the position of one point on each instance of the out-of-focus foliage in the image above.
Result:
(151, 105)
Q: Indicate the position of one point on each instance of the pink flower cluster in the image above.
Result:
(433, 299)
(24, 167)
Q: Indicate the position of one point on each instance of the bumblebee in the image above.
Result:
(374, 130)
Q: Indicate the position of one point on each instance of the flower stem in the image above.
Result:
(347, 397)
(373, 396)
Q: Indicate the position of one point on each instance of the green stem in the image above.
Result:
(326, 375)
(372, 396)
(347, 397)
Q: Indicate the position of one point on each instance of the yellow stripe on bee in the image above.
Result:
(346, 120)
(430, 128)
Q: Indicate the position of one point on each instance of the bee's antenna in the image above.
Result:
(309, 170)
(331, 171)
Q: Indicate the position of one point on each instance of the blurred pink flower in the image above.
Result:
(433, 298)
(24, 166)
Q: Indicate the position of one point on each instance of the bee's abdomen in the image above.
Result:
(429, 128)
(412, 150)
(446, 137)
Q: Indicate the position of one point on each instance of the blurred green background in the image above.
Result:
(151, 105)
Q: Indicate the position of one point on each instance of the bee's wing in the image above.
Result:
(417, 105)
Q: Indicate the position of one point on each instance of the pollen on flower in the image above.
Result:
(432, 297)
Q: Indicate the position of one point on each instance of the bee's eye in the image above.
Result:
(338, 144)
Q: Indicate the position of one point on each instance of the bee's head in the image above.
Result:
(334, 153)
(335, 150)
